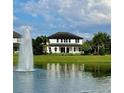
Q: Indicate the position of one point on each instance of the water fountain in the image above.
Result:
(25, 53)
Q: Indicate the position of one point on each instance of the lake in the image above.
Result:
(64, 78)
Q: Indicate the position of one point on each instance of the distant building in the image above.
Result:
(64, 42)
(16, 41)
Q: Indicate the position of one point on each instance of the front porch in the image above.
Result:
(64, 49)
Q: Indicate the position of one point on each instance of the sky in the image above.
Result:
(80, 17)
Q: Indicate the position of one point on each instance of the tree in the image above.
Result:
(45, 40)
(100, 40)
(108, 44)
(86, 47)
(39, 45)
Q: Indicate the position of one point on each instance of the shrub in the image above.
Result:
(102, 51)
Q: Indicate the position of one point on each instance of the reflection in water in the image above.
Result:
(76, 75)
(68, 69)
(48, 66)
(25, 82)
(73, 71)
(53, 68)
(64, 78)
(58, 70)
(82, 68)
(65, 69)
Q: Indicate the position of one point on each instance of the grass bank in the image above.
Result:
(89, 59)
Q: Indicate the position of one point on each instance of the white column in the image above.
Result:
(47, 49)
(65, 49)
(59, 49)
(56, 49)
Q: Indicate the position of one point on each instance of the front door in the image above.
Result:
(67, 49)
(62, 49)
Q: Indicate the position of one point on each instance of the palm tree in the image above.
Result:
(99, 40)
(44, 43)
(107, 43)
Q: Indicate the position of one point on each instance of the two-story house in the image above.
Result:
(64, 42)
(16, 41)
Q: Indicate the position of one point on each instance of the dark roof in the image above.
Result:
(16, 35)
(65, 44)
(64, 35)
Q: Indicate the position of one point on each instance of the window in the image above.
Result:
(74, 49)
(69, 40)
(77, 40)
(79, 49)
(57, 40)
(49, 49)
(55, 48)
(61, 40)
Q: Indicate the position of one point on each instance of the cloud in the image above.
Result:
(83, 17)
(86, 36)
(77, 12)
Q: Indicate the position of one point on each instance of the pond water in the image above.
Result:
(64, 78)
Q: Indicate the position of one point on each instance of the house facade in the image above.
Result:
(16, 41)
(64, 42)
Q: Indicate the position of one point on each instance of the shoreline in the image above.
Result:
(87, 59)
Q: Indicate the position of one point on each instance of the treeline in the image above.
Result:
(99, 45)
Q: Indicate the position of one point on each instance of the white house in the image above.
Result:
(16, 41)
(64, 42)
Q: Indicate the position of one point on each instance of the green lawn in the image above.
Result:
(40, 59)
